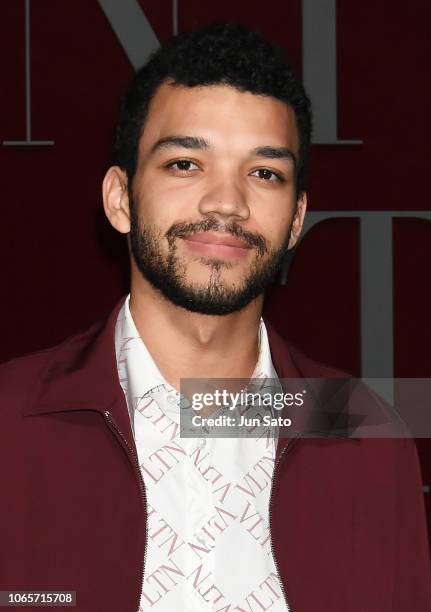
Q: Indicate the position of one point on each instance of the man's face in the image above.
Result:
(213, 197)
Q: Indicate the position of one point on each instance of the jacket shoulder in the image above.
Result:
(20, 376)
(372, 447)
(315, 369)
(20, 371)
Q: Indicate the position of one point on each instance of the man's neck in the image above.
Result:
(185, 344)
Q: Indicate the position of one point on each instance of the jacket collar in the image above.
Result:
(81, 373)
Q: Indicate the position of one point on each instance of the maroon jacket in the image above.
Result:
(347, 515)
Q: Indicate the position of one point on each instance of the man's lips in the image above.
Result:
(214, 238)
(217, 245)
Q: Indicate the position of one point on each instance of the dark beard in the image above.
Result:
(168, 273)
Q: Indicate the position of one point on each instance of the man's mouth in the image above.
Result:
(213, 244)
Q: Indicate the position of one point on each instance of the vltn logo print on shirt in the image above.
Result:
(208, 544)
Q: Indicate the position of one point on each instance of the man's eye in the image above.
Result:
(183, 165)
(267, 175)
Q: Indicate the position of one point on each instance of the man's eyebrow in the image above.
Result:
(275, 153)
(195, 142)
(186, 142)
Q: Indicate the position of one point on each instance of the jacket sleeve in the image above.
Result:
(412, 588)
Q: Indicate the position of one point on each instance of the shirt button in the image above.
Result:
(201, 539)
(202, 442)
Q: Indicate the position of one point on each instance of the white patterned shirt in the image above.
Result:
(208, 539)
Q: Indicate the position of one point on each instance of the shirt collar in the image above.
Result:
(137, 370)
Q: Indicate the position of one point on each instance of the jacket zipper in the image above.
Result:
(276, 466)
(131, 452)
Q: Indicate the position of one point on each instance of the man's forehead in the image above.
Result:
(218, 111)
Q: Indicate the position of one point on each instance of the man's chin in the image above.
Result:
(207, 300)
(224, 280)
(210, 308)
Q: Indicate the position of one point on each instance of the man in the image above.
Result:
(101, 494)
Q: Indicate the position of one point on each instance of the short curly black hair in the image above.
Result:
(219, 54)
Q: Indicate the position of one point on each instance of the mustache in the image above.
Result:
(184, 230)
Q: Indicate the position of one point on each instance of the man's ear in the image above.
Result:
(298, 220)
(116, 199)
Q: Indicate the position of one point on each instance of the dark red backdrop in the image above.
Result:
(63, 266)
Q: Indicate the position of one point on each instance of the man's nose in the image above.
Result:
(225, 197)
